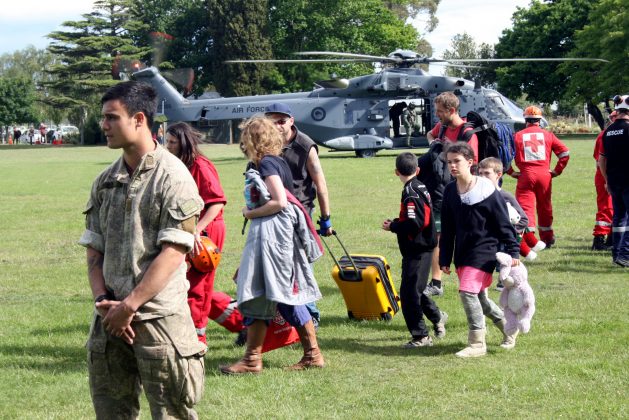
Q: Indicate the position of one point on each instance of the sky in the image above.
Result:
(25, 22)
(484, 20)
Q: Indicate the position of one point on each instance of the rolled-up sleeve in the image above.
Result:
(182, 205)
(92, 236)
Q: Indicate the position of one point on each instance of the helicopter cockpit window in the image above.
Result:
(495, 107)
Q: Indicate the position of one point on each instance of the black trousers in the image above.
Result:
(415, 304)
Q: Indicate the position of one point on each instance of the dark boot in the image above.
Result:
(608, 243)
(312, 355)
(251, 362)
(598, 244)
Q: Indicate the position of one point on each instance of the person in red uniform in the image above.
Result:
(447, 110)
(182, 141)
(603, 224)
(533, 148)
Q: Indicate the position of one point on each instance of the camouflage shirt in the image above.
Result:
(129, 217)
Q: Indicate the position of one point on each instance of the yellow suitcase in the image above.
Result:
(366, 286)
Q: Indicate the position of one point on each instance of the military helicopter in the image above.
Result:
(349, 115)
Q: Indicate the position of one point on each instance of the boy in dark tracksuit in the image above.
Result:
(416, 234)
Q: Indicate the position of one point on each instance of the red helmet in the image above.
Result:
(532, 112)
(209, 257)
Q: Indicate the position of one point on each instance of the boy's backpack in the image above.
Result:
(494, 139)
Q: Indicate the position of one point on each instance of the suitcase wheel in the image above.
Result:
(350, 315)
(386, 316)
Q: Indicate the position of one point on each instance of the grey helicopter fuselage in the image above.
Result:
(353, 117)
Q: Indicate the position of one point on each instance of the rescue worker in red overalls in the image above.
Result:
(603, 224)
(533, 147)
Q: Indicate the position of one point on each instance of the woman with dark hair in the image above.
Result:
(183, 141)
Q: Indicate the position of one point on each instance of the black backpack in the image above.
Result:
(494, 139)
(434, 172)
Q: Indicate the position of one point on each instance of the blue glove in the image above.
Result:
(324, 225)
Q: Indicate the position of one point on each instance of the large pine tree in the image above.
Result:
(87, 51)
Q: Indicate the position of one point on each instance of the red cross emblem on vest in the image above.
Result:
(534, 146)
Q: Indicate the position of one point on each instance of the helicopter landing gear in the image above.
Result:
(366, 153)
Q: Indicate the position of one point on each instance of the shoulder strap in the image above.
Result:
(442, 131)
(464, 134)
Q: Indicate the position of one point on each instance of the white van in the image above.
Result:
(68, 129)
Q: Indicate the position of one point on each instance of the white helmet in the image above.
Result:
(621, 102)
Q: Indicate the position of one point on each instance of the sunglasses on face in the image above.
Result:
(618, 100)
(280, 122)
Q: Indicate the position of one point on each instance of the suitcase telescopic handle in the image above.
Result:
(349, 257)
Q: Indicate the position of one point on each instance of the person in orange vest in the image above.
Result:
(533, 149)
(603, 224)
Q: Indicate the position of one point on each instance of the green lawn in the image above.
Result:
(573, 364)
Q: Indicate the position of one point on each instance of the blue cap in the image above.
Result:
(279, 108)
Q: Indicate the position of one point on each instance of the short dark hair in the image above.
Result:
(461, 148)
(135, 97)
(189, 140)
(406, 164)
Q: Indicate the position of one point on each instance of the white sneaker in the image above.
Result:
(539, 246)
(532, 256)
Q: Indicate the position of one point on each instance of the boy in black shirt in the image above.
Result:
(416, 234)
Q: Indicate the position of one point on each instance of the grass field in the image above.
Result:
(573, 364)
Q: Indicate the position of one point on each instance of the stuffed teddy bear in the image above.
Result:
(517, 298)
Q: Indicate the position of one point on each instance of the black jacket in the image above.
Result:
(616, 150)
(415, 227)
(471, 233)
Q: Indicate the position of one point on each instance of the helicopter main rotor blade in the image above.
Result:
(351, 55)
(337, 60)
(490, 60)
(461, 66)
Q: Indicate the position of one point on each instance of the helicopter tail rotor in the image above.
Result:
(184, 78)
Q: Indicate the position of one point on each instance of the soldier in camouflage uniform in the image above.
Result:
(411, 121)
(140, 221)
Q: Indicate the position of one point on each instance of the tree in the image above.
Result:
(464, 46)
(411, 9)
(605, 35)
(357, 26)
(31, 63)
(16, 101)
(545, 30)
(239, 30)
(186, 40)
(86, 55)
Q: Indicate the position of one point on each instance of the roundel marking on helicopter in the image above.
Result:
(318, 114)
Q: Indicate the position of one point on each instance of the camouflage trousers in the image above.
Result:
(172, 377)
